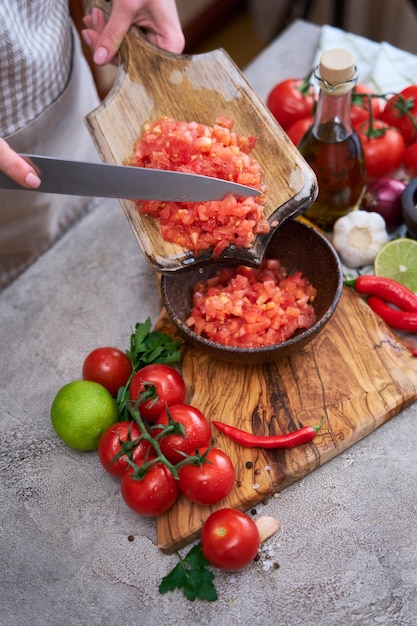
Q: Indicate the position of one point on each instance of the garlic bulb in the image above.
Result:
(358, 237)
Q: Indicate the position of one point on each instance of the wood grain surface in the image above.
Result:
(152, 83)
(356, 373)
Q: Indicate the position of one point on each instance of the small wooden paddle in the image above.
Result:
(152, 83)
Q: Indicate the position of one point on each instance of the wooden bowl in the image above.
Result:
(409, 207)
(299, 248)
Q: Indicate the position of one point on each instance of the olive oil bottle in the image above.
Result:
(331, 147)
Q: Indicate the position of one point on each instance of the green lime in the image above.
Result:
(81, 411)
(397, 259)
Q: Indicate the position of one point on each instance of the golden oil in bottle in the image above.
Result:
(331, 147)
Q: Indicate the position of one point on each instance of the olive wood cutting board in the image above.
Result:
(152, 83)
(356, 373)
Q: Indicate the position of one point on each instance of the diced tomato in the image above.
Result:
(251, 307)
(224, 121)
(218, 152)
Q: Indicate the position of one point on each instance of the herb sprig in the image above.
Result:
(192, 575)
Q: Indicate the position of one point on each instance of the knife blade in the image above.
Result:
(104, 180)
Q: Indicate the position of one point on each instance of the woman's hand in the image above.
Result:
(158, 18)
(17, 168)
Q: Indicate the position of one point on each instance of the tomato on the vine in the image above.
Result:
(111, 442)
(230, 539)
(197, 432)
(383, 148)
(410, 159)
(361, 106)
(108, 366)
(297, 130)
(291, 100)
(401, 112)
(210, 481)
(169, 384)
(151, 495)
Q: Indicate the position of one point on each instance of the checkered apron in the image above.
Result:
(46, 89)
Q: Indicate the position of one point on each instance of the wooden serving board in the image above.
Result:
(152, 83)
(356, 373)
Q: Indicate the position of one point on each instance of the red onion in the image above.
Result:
(383, 196)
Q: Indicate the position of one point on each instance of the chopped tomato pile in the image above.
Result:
(218, 152)
(252, 307)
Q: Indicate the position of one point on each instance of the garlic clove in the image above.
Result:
(267, 526)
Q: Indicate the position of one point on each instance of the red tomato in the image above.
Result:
(383, 153)
(360, 106)
(291, 100)
(410, 159)
(153, 494)
(110, 445)
(170, 388)
(230, 539)
(197, 432)
(108, 366)
(297, 130)
(209, 482)
(401, 112)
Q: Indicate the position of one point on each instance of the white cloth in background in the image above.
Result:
(381, 66)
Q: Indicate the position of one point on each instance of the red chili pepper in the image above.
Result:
(412, 349)
(401, 320)
(249, 440)
(386, 289)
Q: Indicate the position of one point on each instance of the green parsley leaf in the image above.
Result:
(148, 347)
(192, 576)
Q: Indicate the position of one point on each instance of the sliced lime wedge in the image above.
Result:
(397, 259)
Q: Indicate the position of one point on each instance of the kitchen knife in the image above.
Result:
(104, 180)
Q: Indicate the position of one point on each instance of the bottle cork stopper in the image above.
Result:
(337, 66)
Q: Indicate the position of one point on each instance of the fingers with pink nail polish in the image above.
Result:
(100, 56)
(158, 18)
(17, 168)
(32, 180)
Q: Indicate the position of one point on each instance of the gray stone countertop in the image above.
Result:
(347, 551)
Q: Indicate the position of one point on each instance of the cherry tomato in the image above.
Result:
(360, 106)
(410, 159)
(209, 482)
(197, 432)
(153, 494)
(384, 153)
(401, 112)
(170, 388)
(111, 442)
(229, 539)
(108, 366)
(291, 100)
(297, 130)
